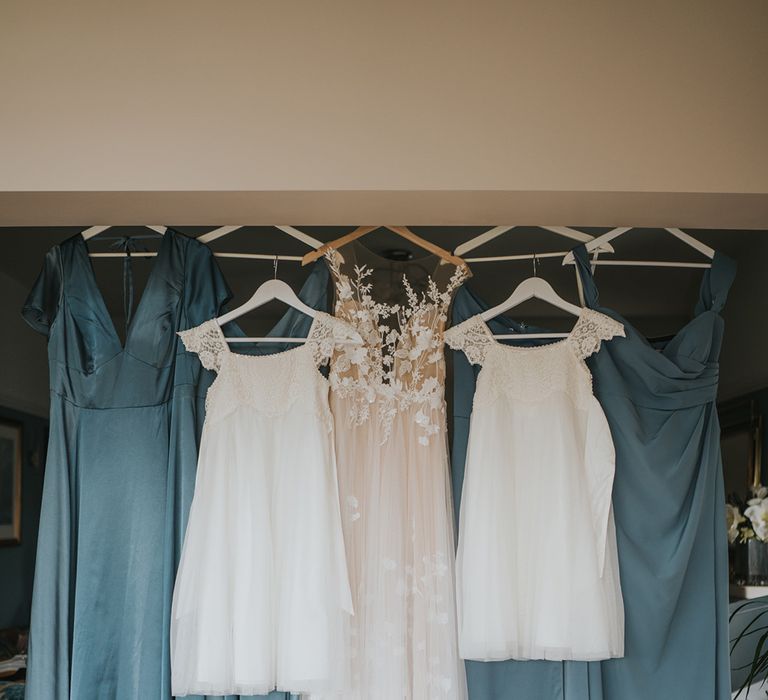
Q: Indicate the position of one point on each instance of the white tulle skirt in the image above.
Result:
(262, 595)
(537, 564)
(398, 525)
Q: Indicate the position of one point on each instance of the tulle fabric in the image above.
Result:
(388, 403)
(396, 514)
(262, 593)
(537, 566)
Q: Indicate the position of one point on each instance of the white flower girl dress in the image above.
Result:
(537, 567)
(262, 595)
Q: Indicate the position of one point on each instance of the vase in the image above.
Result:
(750, 563)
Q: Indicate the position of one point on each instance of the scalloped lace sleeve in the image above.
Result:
(592, 329)
(472, 337)
(326, 333)
(208, 342)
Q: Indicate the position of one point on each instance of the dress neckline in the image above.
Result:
(146, 292)
(399, 263)
(302, 346)
(722, 267)
(542, 346)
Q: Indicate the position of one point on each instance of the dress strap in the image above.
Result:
(591, 330)
(716, 283)
(713, 293)
(208, 342)
(472, 337)
(587, 286)
(128, 245)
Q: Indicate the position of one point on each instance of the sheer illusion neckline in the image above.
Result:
(146, 292)
(429, 257)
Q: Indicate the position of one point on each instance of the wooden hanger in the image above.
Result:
(401, 231)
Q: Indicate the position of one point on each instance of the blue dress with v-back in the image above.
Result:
(124, 422)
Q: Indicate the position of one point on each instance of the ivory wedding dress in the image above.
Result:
(537, 566)
(262, 593)
(388, 403)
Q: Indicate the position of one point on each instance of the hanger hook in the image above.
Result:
(535, 265)
(274, 265)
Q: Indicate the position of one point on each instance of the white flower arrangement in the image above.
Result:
(755, 516)
(734, 518)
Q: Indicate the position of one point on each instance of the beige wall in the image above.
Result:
(490, 95)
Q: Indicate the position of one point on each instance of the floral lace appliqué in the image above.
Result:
(591, 330)
(472, 337)
(531, 374)
(271, 384)
(207, 341)
(400, 365)
(328, 333)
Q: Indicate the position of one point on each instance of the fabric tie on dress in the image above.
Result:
(128, 245)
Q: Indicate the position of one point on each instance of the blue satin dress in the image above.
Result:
(668, 503)
(124, 424)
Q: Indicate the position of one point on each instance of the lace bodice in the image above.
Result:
(533, 373)
(401, 364)
(270, 383)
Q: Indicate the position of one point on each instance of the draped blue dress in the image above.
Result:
(668, 505)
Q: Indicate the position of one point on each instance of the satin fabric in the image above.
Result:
(125, 425)
(668, 505)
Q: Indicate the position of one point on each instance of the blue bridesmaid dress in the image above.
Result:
(124, 424)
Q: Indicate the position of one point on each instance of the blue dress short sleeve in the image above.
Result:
(44, 298)
(206, 289)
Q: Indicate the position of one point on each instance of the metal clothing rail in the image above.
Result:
(594, 245)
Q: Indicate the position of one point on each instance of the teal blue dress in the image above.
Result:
(124, 424)
(668, 503)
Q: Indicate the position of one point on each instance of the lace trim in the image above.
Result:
(271, 384)
(326, 332)
(472, 338)
(530, 374)
(591, 330)
(207, 341)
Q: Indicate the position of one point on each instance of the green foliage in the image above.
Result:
(759, 665)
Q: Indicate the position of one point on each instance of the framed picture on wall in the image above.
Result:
(10, 482)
